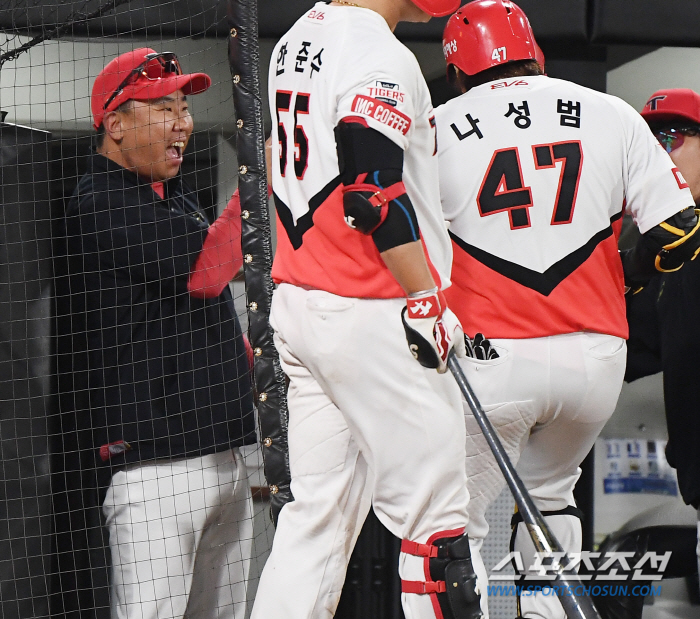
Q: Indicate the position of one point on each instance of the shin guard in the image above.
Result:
(566, 526)
(450, 577)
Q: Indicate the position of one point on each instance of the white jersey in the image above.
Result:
(535, 174)
(335, 63)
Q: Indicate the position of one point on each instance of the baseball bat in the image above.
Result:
(565, 582)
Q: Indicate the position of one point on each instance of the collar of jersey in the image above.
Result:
(484, 87)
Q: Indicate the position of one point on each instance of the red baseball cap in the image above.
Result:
(673, 104)
(141, 74)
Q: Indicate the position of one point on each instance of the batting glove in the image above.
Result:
(480, 347)
(432, 329)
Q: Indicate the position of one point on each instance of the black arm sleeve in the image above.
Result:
(365, 151)
(362, 150)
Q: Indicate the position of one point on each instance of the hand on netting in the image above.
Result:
(480, 347)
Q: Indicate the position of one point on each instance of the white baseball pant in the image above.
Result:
(367, 424)
(180, 536)
(548, 399)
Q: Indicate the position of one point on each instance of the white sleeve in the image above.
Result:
(450, 167)
(383, 97)
(655, 189)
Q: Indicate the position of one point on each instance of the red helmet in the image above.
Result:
(539, 55)
(486, 33)
(437, 8)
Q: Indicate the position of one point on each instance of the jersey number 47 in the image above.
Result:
(503, 188)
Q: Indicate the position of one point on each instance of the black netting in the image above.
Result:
(116, 378)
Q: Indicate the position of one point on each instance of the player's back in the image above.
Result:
(534, 175)
(334, 63)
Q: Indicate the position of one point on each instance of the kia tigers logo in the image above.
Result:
(653, 103)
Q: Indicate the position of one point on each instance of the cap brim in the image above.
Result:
(190, 84)
(438, 8)
(654, 117)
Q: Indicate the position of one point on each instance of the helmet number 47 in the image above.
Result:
(499, 54)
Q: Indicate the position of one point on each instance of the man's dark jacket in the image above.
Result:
(150, 364)
(665, 335)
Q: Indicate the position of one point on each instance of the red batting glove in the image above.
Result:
(432, 329)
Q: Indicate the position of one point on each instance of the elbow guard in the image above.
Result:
(366, 205)
(374, 196)
(663, 249)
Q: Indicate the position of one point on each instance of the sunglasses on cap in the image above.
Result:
(671, 139)
(155, 66)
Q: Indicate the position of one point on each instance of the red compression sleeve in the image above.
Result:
(221, 256)
(159, 188)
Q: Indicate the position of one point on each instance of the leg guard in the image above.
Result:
(565, 524)
(450, 577)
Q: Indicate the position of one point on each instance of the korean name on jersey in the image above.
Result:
(535, 174)
(335, 63)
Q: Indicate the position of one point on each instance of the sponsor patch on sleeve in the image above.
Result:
(381, 112)
(386, 92)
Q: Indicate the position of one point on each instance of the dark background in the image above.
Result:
(600, 22)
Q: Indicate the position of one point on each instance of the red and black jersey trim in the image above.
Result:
(546, 282)
(295, 232)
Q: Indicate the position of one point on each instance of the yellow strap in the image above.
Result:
(682, 239)
(657, 263)
(672, 229)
